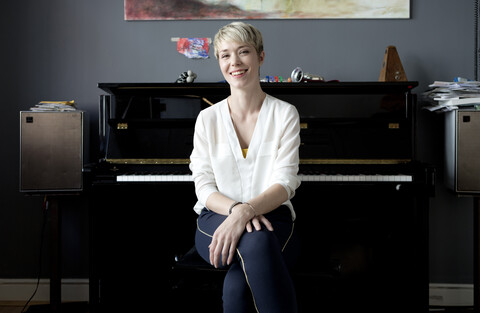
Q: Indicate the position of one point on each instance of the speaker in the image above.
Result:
(51, 151)
(462, 151)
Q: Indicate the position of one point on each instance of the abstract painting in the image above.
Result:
(265, 9)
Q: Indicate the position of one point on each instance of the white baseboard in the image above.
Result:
(451, 295)
(22, 289)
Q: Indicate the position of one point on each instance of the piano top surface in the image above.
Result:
(273, 88)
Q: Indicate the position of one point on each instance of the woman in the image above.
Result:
(244, 164)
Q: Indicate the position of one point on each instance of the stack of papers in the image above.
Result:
(448, 96)
(54, 106)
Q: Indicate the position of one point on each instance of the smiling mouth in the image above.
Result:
(238, 73)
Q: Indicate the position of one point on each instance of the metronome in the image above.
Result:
(392, 69)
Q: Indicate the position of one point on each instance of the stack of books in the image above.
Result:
(448, 96)
(54, 106)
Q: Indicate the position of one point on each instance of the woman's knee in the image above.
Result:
(258, 243)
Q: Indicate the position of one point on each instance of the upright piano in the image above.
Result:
(362, 207)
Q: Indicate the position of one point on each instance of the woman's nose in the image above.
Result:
(235, 60)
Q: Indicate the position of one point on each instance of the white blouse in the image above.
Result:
(217, 162)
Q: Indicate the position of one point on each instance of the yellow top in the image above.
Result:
(244, 151)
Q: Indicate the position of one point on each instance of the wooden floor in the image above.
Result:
(34, 307)
(11, 306)
(17, 306)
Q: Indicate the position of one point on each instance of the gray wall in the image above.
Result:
(61, 49)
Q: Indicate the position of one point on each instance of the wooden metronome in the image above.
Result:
(392, 69)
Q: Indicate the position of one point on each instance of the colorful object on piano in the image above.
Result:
(274, 79)
(193, 48)
(186, 77)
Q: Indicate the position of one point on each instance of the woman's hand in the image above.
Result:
(226, 237)
(257, 222)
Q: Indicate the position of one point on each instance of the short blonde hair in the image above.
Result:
(239, 32)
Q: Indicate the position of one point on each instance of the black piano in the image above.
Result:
(362, 207)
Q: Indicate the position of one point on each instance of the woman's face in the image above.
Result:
(239, 63)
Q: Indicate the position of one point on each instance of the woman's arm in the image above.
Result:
(265, 202)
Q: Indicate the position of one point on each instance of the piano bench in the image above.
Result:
(195, 279)
(193, 261)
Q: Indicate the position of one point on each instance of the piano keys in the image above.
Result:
(307, 173)
(150, 177)
(153, 177)
(376, 178)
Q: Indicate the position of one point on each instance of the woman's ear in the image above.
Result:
(261, 57)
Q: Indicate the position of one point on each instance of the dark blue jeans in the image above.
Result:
(262, 264)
